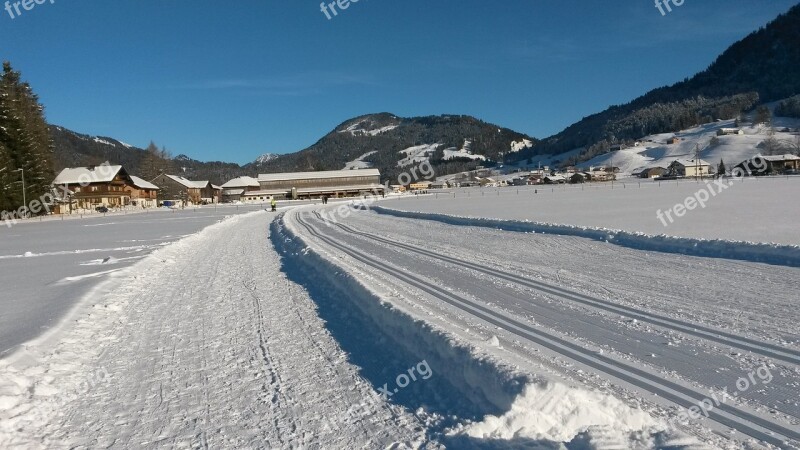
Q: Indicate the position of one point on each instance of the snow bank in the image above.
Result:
(556, 412)
(782, 255)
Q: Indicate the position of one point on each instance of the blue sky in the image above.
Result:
(232, 80)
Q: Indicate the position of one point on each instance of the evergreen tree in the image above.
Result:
(721, 168)
(25, 141)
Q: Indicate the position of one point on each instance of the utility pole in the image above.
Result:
(24, 195)
(697, 162)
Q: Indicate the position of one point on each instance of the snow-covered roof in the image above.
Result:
(691, 162)
(142, 184)
(87, 175)
(233, 192)
(188, 183)
(778, 158)
(319, 175)
(363, 187)
(241, 182)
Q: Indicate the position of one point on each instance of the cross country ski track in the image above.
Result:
(751, 345)
(761, 428)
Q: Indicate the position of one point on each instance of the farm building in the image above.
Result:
(233, 190)
(335, 183)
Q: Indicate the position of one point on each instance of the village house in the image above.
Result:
(143, 194)
(601, 174)
(233, 190)
(554, 179)
(175, 188)
(420, 186)
(673, 140)
(690, 168)
(653, 172)
(729, 132)
(578, 178)
(95, 186)
(773, 164)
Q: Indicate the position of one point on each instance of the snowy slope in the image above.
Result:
(359, 162)
(656, 152)
(417, 154)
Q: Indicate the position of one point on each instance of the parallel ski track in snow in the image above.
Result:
(757, 427)
(744, 343)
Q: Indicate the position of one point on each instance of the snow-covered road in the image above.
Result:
(669, 329)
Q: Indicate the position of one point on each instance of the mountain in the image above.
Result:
(74, 149)
(450, 142)
(761, 68)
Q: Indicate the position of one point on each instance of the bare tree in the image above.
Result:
(771, 145)
(793, 145)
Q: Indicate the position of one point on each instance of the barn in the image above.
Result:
(333, 183)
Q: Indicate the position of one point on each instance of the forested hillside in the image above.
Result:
(761, 68)
(387, 135)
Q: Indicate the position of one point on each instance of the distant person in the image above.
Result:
(274, 204)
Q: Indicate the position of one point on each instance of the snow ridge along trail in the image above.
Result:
(203, 344)
(786, 255)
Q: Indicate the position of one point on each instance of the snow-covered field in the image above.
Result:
(759, 209)
(46, 267)
(347, 327)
